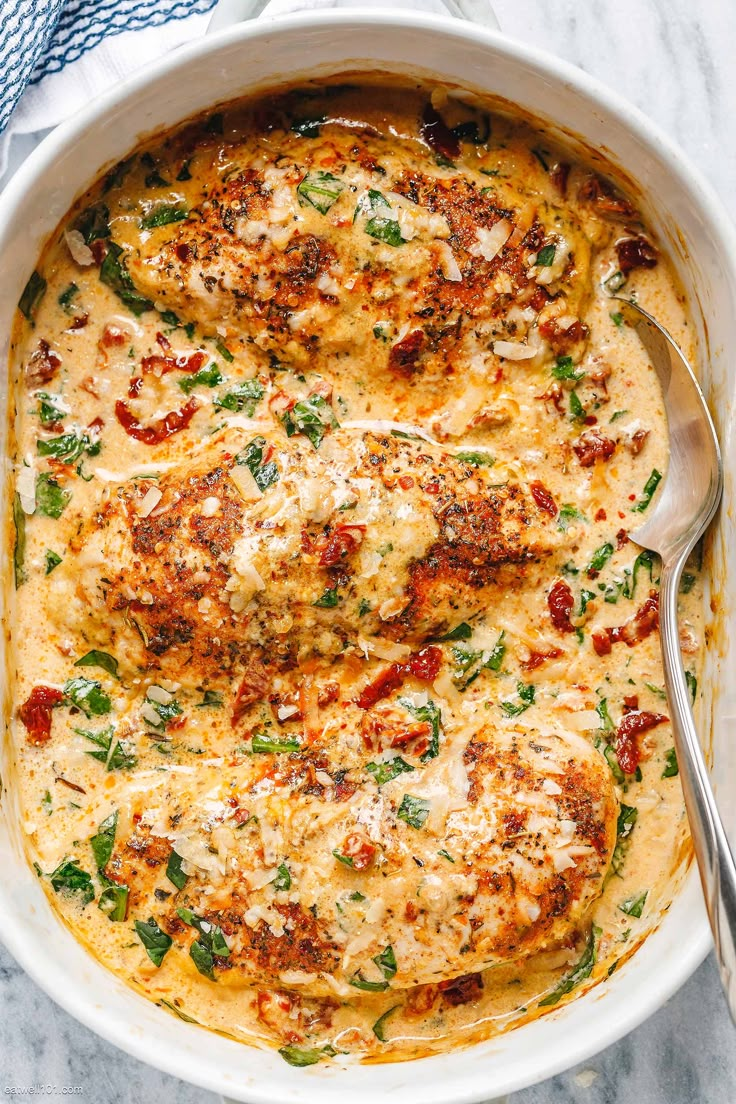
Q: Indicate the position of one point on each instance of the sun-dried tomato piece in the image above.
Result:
(543, 498)
(340, 543)
(403, 357)
(631, 725)
(254, 684)
(157, 431)
(644, 622)
(425, 665)
(184, 362)
(43, 365)
(35, 713)
(536, 659)
(592, 446)
(636, 253)
(605, 197)
(438, 136)
(461, 990)
(560, 603)
(559, 174)
(359, 849)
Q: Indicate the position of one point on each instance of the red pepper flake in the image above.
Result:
(543, 498)
(627, 745)
(560, 603)
(159, 430)
(600, 515)
(438, 136)
(423, 665)
(35, 713)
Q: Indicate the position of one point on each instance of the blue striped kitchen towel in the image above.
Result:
(56, 55)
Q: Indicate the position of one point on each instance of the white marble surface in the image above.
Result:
(675, 60)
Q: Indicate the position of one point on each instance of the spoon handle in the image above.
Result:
(715, 860)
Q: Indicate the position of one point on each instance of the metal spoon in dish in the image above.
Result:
(680, 514)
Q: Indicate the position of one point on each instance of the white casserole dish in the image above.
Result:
(682, 209)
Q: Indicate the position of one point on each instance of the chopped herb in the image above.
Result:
(380, 331)
(563, 369)
(114, 273)
(463, 631)
(205, 377)
(615, 282)
(155, 180)
(656, 690)
(385, 230)
(308, 128)
(211, 942)
(114, 902)
(577, 410)
(99, 659)
(224, 351)
(406, 436)
(644, 560)
(344, 859)
(477, 459)
(359, 982)
(386, 963)
(69, 879)
(163, 214)
(92, 224)
(178, 1012)
(264, 474)
(648, 493)
(413, 810)
(364, 607)
(546, 256)
(184, 173)
(446, 855)
(241, 399)
(282, 881)
(379, 1027)
(262, 743)
(687, 583)
(87, 695)
(617, 318)
(174, 872)
(312, 417)
(624, 827)
(155, 941)
(432, 716)
(305, 1056)
(51, 500)
(616, 415)
(166, 712)
(692, 685)
(600, 558)
(69, 447)
(33, 293)
(582, 971)
(567, 515)
(114, 756)
(586, 596)
(52, 560)
(601, 709)
(328, 600)
(385, 549)
(212, 700)
(386, 772)
(48, 411)
(634, 906)
(19, 546)
(612, 760)
(320, 190)
(526, 695)
(47, 803)
(66, 296)
(671, 768)
(103, 842)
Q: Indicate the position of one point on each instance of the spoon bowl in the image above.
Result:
(684, 503)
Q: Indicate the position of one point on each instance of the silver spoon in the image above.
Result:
(678, 517)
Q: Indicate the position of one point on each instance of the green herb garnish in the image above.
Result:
(413, 810)
(155, 941)
(99, 659)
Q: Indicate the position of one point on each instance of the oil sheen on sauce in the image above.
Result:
(338, 712)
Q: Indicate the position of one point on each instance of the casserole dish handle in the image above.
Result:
(229, 12)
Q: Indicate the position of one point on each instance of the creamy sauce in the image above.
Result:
(338, 713)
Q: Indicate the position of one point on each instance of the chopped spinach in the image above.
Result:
(599, 559)
(526, 695)
(114, 902)
(477, 459)
(99, 659)
(413, 810)
(264, 474)
(328, 600)
(282, 881)
(51, 500)
(312, 417)
(69, 447)
(93, 223)
(379, 1027)
(103, 842)
(163, 214)
(53, 559)
(211, 943)
(387, 771)
(87, 695)
(156, 942)
(563, 369)
(114, 273)
(648, 493)
(305, 1056)
(174, 872)
(320, 190)
(205, 377)
(70, 879)
(263, 743)
(582, 971)
(546, 256)
(634, 906)
(33, 293)
(240, 399)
